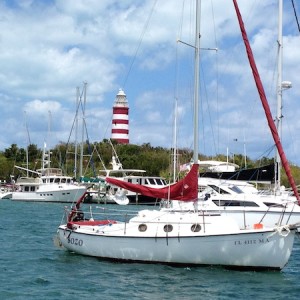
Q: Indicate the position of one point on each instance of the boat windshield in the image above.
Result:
(218, 189)
(236, 189)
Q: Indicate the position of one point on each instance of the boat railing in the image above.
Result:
(93, 212)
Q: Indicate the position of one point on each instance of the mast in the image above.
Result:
(46, 159)
(28, 143)
(281, 85)
(76, 132)
(83, 127)
(175, 142)
(279, 97)
(196, 82)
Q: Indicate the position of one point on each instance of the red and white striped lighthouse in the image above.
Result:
(120, 120)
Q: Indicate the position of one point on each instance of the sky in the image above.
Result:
(50, 48)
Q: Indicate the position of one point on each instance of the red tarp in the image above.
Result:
(184, 190)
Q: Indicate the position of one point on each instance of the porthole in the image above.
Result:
(195, 227)
(142, 227)
(168, 228)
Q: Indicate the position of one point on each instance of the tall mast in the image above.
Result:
(28, 143)
(82, 133)
(279, 96)
(196, 83)
(175, 142)
(46, 156)
(76, 132)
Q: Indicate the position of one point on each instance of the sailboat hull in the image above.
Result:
(260, 249)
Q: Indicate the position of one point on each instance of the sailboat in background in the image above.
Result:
(174, 236)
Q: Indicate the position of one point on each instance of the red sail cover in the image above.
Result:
(184, 190)
(265, 104)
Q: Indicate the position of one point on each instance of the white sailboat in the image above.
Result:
(178, 237)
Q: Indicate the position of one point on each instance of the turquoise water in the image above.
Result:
(31, 267)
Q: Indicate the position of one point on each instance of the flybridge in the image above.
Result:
(50, 172)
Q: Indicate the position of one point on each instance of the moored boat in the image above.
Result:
(185, 238)
(47, 185)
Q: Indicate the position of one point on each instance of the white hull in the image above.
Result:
(6, 195)
(217, 243)
(51, 193)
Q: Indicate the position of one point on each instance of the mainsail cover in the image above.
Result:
(265, 104)
(184, 190)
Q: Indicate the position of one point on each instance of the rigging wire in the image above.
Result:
(139, 43)
(295, 13)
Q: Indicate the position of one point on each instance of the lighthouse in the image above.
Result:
(120, 121)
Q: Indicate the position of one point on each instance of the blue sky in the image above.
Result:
(48, 48)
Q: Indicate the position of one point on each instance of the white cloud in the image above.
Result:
(49, 48)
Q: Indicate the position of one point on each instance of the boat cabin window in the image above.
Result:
(195, 227)
(168, 228)
(152, 181)
(234, 203)
(29, 189)
(56, 180)
(63, 180)
(270, 204)
(135, 180)
(218, 189)
(236, 189)
(142, 227)
(51, 180)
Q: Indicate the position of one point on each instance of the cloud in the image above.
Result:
(48, 48)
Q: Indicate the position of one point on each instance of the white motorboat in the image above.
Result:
(122, 196)
(244, 203)
(52, 186)
(47, 185)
